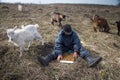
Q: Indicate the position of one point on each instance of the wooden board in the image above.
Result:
(67, 58)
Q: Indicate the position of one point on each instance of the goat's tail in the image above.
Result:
(36, 25)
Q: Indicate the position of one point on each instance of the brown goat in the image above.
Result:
(101, 23)
(118, 26)
(57, 17)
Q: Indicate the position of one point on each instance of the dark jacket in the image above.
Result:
(65, 43)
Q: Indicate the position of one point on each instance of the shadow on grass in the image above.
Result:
(112, 33)
(46, 49)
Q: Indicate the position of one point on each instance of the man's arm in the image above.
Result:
(76, 45)
(76, 42)
(58, 45)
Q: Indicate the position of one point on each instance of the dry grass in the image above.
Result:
(27, 67)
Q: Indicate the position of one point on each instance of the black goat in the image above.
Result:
(118, 26)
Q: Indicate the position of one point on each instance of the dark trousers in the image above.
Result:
(82, 53)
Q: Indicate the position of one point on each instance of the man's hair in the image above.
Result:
(67, 28)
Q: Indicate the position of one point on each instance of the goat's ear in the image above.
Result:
(15, 28)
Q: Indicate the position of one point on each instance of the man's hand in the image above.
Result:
(59, 57)
(75, 55)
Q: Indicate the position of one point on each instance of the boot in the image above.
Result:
(92, 62)
(44, 62)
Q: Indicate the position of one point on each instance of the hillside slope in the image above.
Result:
(27, 67)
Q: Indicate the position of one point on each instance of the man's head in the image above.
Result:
(67, 29)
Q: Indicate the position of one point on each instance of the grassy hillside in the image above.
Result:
(27, 67)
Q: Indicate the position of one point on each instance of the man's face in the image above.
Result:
(68, 33)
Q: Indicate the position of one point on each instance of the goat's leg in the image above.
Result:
(118, 33)
(29, 44)
(60, 24)
(106, 29)
(52, 21)
(101, 29)
(22, 48)
(25, 49)
(21, 51)
(40, 38)
(95, 29)
(10, 40)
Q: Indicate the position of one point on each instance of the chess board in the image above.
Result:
(67, 58)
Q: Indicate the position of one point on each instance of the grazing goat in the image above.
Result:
(118, 26)
(20, 7)
(57, 17)
(27, 33)
(5, 8)
(101, 23)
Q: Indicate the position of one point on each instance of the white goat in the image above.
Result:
(20, 7)
(27, 33)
